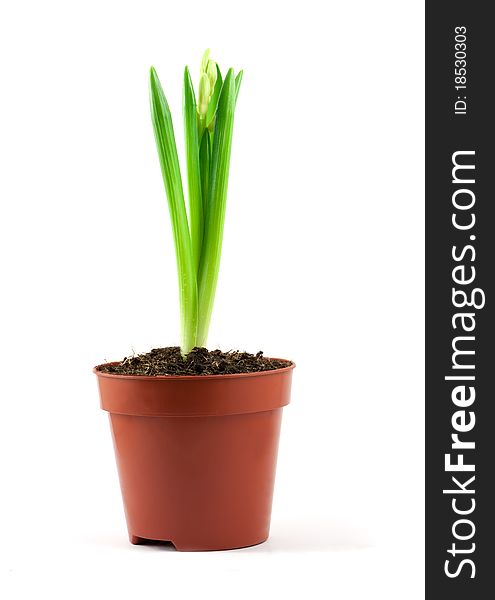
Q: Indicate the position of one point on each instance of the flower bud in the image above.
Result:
(207, 79)
(204, 95)
(204, 61)
(212, 74)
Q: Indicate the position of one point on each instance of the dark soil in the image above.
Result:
(200, 361)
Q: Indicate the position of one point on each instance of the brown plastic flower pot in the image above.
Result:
(197, 455)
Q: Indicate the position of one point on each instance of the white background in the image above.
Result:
(322, 263)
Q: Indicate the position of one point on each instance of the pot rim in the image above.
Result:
(99, 373)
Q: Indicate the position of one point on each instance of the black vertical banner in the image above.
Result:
(460, 270)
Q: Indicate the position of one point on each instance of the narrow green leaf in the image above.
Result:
(212, 107)
(169, 163)
(193, 169)
(204, 166)
(238, 81)
(216, 203)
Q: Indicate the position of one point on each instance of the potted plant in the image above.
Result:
(196, 432)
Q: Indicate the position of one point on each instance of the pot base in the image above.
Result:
(140, 541)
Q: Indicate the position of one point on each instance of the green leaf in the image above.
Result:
(169, 163)
(212, 107)
(216, 204)
(204, 166)
(238, 81)
(193, 169)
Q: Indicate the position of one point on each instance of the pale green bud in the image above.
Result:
(204, 61)
(204, 94)
(207, 80)
(212, 74)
